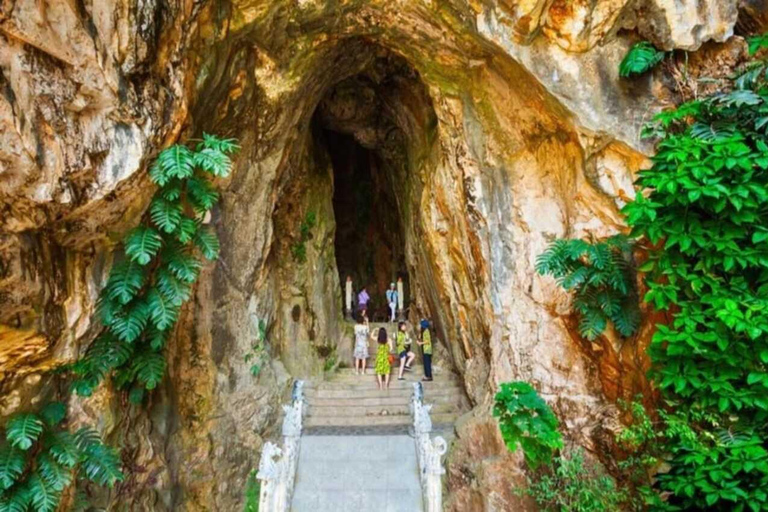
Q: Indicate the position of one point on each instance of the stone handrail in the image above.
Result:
(429, 452)
(277, 467)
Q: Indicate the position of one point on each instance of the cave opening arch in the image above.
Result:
(365, 151)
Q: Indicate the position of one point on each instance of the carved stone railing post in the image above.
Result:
(277, 467)
(429, 452)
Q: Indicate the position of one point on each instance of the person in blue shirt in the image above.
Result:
(392, 301)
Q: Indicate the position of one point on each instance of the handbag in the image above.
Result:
(391, 358)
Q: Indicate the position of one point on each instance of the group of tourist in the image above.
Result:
(399, 344)
(391, 295)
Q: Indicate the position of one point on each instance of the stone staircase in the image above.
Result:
(358, 450)
(349, 401)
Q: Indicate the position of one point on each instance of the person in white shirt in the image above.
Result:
(392, 301)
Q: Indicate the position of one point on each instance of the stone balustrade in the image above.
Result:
(277, 467)
(429, 452)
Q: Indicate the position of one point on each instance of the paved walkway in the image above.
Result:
(357, 473)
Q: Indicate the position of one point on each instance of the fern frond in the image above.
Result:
(599, 255)
(165, 214)
(608, 302)
(208, 243)
(55, 475)
(576, 248)
(142, 244)
(183, 265)
(125, 281)
(156, 338)
(107, 353)
(176, 161)
(157, 174)
(63, 447)
(213, 161)
(592, 324)
(202, 195)
(171, 191)
(149, 368)
(23, 430)
(575, 278)
(227, 146)
(187, 230)
(640, 58)
(129, 321)
(163, 311)
(100, 463)
(174, 289)
(12, 464)
(44, 497)
(17, 499)
(627, 317)
(53, 413)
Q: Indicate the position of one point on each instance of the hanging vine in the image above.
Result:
(159, 262)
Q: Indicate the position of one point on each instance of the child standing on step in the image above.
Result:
(404, 350)
(382, 359)
(361, 344)
(426, 347)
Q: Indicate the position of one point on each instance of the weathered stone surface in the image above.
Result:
(498, 126)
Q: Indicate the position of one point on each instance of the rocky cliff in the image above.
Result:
(493, 125)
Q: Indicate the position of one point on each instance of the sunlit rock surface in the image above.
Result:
(497, 125)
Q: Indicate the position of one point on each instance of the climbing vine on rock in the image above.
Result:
(640, 58)
(526, 421)
(39, 459)
(704, 208)
(601, 278)
(155, 270)
(299, 249)
(560, 481)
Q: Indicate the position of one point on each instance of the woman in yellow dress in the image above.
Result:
(382, 359)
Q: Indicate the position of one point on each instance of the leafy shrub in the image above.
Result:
(154, 275)
(705, 214)
(526, 420)
(258, 352)
(330, 362)
(602, 279)
(640, 58)
(299, 249)
(571, 485)
(39, 459)
(252, 493)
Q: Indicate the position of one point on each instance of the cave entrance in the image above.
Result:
(356, 123)
(369, 244)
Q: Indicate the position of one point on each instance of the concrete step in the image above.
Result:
(345, 421)
(394, 385)
(376, 393)
(455, 400)
(410, 378)
(376, 410)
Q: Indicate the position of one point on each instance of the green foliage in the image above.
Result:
(299, 249)
(330, 361)
(757, 43)
(526, 420)
(252, 493)
(142, 299)
(639, 59)
(258, 353)
(704, 210)
(39, 459)
(602, 279)
(573, 485)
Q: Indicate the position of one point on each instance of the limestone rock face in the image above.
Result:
(491, 127)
